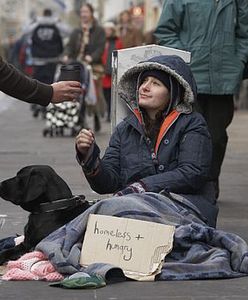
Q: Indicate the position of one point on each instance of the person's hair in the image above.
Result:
(90, 7)
(112, 26)
(124, 12)
(47, 12)
(152, 127)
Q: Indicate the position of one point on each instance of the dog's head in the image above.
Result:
(33, 185)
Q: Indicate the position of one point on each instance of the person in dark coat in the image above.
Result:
(46, 36)
(86, 45)
(163, 146)
(17, 85)
(113, 43)
(216, 35)
(130, 35)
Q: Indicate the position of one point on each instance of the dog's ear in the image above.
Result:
(34, 185)
(24, 188)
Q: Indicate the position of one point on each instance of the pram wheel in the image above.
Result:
(35, 113)
(46, 131)
(60, 131)
(38, 110)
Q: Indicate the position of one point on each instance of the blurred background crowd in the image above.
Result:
(89, 32)
(113, 25)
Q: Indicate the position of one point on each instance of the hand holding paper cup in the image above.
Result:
(71, 72)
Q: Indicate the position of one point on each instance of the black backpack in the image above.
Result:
(46, 41)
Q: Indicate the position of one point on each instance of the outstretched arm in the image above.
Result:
(17, 85)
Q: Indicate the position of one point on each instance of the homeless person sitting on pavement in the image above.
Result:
(156, 166)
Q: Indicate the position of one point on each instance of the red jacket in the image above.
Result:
(106, 80)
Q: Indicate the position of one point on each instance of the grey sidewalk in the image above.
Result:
(22, 144)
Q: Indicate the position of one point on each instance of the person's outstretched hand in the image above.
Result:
(65, 91)
(84, 140)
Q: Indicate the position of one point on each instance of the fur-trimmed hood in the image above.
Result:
(172, 65)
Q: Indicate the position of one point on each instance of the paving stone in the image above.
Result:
(22, 144)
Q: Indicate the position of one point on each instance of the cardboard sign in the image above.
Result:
(137, 247)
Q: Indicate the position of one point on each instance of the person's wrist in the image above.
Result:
(80, 158)
(89, 162)
(54, 92)
(92, 170)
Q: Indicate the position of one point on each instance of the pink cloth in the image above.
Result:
(31, 266)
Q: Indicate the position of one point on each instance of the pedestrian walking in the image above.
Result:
(128, 33)
(46, 35)
(113, 42)
(86, 45)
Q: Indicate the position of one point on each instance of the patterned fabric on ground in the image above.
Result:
(31, 266)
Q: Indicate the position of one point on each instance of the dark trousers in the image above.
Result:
(107, 96)
(45, 73)
(218, 112)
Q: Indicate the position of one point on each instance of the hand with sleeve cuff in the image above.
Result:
(87, 151)
(136, 187)
(84, 140)
(66, 91)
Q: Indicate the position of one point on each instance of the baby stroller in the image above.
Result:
(67, 118)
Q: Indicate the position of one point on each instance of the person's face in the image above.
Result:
(108, 31)
(85, 14)
(153, 96)
(125, 18)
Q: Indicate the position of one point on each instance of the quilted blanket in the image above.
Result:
(199, 251)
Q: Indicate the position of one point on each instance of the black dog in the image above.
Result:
(39, 190)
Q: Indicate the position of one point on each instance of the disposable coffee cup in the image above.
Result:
(70, 73)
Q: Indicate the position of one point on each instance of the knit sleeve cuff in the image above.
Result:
(91, 162)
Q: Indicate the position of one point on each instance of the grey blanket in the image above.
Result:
(199, 251)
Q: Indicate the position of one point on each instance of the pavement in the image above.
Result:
(22, 144)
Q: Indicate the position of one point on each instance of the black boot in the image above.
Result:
(97, 123)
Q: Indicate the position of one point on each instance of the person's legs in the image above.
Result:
(107, 96)
(37, 74)
(98, 106)
(218, 112)
(44, 73)
(82, 113)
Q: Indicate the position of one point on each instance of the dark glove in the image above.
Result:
(136, 187)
